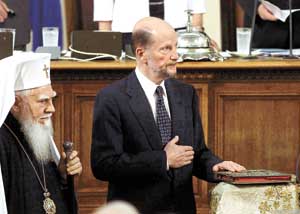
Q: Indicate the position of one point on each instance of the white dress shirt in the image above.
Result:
(149, 88)
(125, 13)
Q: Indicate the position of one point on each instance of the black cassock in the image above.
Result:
(23, 191)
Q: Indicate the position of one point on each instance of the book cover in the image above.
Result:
(258, 176)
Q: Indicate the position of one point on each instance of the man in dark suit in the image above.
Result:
(269, 31)
(147, 134)
(19, 21)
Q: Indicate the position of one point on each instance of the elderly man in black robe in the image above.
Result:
(34, 175)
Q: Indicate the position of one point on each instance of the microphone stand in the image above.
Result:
(252, 30)
(291, 28)
(291, 55)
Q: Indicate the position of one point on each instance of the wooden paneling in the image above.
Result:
(91, 192)
(200, 187)
(58, 116)
(258, 125)
(73, 121)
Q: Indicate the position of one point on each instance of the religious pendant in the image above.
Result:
(49, 205)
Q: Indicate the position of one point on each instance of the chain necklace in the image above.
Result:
(48, 203)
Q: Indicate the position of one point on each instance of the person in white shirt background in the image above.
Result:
(121, 15)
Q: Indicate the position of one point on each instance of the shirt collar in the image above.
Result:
(148, 86)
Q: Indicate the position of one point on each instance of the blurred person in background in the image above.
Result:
(270, 32)
(121, 15)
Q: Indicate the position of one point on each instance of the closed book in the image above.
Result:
(258, 176)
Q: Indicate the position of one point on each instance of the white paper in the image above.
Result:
(282, 15)
(278, 52)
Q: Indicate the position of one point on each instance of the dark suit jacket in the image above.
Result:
(270, 34)
(127, 149)
(20, 22)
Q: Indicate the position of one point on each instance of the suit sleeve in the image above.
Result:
(204, 159)
(109, 160)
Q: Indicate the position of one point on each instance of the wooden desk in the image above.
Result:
(250, 113)
(228, 64)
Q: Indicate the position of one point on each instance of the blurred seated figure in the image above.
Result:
(269, 31)
(121, 15)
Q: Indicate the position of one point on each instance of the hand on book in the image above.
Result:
(228, 165)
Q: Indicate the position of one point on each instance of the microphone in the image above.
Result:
(68, 148)
(252, 29)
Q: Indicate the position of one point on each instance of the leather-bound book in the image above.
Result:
(258, 176)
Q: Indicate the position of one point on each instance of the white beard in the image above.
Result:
(38, 137)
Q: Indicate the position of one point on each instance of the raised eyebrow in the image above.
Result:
(43, 97)
(46, 97)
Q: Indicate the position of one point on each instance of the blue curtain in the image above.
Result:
(45, 13)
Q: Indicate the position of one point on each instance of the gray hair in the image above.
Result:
(141, 37)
